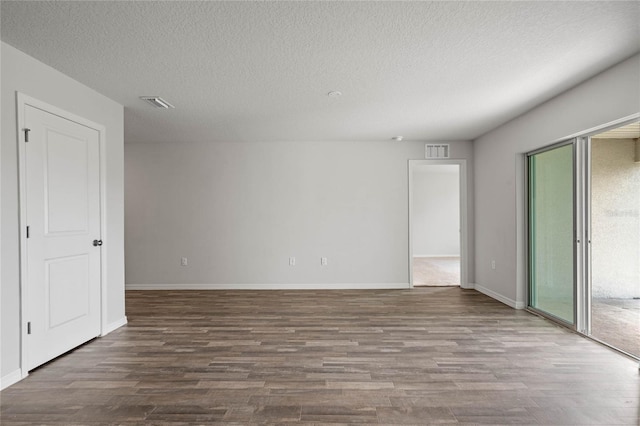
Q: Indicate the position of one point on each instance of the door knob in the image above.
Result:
(97, 243)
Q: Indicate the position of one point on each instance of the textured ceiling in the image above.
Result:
(247, 71)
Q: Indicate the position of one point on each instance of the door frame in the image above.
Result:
(464, 240)
(23, 100)
(582, 214)
(577, 223)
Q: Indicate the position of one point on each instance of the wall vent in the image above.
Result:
(157, 102)
(436, 151)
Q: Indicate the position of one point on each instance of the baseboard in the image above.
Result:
(10, 379)
(114, 325)
(492, 294)
(320, 286)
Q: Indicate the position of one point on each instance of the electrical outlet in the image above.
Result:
(323, 261)
(292, 261)
(184, 261)
(493, 264)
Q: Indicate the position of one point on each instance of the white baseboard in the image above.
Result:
(492, 294)
(325, 286)
(114, 325)
(10, 379)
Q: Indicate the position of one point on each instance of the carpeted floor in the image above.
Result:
(436, 271)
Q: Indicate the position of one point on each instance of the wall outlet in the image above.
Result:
(323, 261)
(184, 261)
(292, 261)
(493, 264)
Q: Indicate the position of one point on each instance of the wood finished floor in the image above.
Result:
(421, 356)
(617, 322)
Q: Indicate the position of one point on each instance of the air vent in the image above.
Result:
(157, 102)
(436, 151)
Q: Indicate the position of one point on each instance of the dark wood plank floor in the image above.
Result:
(617, 322)
(422, 356)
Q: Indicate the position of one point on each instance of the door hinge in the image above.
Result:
(29, 327)
(26, 134)
(27, 232)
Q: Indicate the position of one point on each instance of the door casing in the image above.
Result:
(22, 101)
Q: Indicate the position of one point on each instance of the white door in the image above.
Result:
(62, 182)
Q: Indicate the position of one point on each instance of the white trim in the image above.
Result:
(464, 232)
(275, 286)
(497, 296)
(102, 134)
(114, 326)
(11, 378)
(22, 101)
(436, 255)
(22, 220)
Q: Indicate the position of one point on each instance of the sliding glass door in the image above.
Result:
(584, 235)
(551, 198)
(614, 225)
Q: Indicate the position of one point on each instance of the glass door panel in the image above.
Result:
(551, 232)
(615, 239)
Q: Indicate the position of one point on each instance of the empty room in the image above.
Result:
(320, 212)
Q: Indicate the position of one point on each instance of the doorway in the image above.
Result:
(584, 235)
(615, 238)
(437, 228)
(61, 226)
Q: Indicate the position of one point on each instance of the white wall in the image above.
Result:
(615, 219)
(238, 211)
(498, 157)
(436, 210)
(25, 74)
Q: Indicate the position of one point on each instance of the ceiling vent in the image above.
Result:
(157, 102)
(436, 151)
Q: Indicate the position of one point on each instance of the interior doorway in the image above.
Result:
(436, 223)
